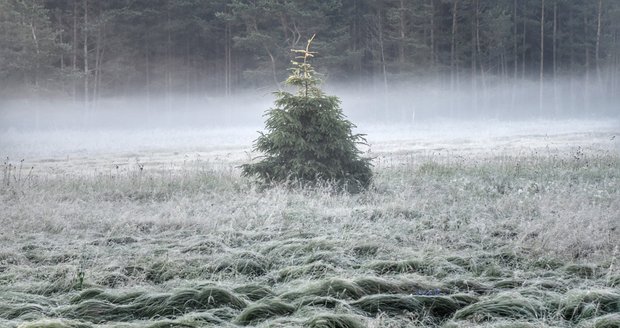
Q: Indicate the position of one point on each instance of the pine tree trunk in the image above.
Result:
(402, 34)
(479, 54)
(383, 69)
(432, 34)
(586, 89)
(524, 43)
(542, 57)
(35, 41)
(75, 51)
(168, 82)
(571, 44)
(513, 97)
(555, 38)
(474, 58)
(147, 60)
(555, 65)
(98, 60)
(227, 60)
(355, 40)
(62, 54)
(61, 40)
(598, 42)
(188, 74)
(453, 59)
(515, 37)
(615, 69)
(35, 74)
(273, 68)
(85, 54)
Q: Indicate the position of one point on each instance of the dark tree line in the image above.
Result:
(87, 49)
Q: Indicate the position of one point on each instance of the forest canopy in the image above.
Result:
(86, 49)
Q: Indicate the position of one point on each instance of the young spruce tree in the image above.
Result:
(308, 138)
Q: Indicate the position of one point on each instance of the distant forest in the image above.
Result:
(86, 49)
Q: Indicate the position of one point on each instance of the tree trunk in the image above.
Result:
(147, 72)
(598, 42)
(85, 54)
(96, 69)
(62, 54)
(168, 83)
(555, 65)
(377, 29)
(35, 41)
(479, 50)
(513, 96)
(479, 54)
(35, 74)
(75, 51)
(524, 44)
(227, 60)
(542, 57)
(614, 71)
(383, 69)
(573, 94)
(354, 34)
(555, 38)
(273, 67)
(99, 49)
(432, 34)
(474, 55)
(61, 40)
(188, 74)
(402, 31)
(453, 59)
(586, 89)
(515, 45)
(616, 66)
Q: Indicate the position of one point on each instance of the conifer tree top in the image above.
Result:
(302, 74)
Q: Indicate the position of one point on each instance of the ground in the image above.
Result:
(471, 224)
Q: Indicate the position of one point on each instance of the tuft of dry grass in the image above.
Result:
(264, 310)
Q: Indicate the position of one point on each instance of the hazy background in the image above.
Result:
(403, 103)
(82, 75)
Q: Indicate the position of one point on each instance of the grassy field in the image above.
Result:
(452, 239)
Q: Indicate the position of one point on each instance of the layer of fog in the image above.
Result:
(408, 113)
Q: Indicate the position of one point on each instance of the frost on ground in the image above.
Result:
(518, 228)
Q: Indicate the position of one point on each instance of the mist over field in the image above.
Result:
(403, 102)
(414, 111)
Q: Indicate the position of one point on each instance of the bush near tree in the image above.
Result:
(308, 139)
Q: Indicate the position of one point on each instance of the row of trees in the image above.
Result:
(86, 49)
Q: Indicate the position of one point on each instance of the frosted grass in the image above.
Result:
(527, 237)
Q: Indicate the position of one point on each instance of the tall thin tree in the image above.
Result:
(542, 58)
(85, 54)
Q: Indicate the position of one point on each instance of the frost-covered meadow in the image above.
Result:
(467, 224)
